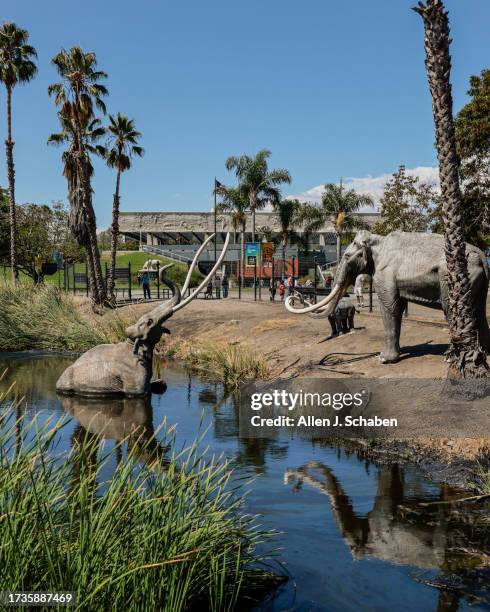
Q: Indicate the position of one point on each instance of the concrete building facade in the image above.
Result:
(171, 228)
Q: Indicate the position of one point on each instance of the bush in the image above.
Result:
(228, 364)
(169, 535)
(46, 318)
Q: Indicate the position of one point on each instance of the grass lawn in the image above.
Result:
(136, 258)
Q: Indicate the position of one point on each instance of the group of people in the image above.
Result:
(218, 287)
(281, 285)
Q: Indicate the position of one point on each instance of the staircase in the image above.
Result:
(158, 250)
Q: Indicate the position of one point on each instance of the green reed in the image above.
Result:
(229, 364)
(162, 534)
(46, 318)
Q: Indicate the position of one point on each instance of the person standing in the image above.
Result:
(282, 290)
(358, 286)
(290, 285)
(272, 288)
(328, 281)
(217, 287)
(145, 282)
(224, 286)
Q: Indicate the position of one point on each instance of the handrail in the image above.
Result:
(168, 254)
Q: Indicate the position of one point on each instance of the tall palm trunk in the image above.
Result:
(338, 236)
(9, 144)
(465, 355)
(84, 195)
(284, 245)
(242, 263)
(253, 206)
(114, 237)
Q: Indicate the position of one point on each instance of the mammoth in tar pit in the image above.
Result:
(406, 267)
(126, 368)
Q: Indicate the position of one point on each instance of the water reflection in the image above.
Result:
(32, 376)
(120, 420)
(408, 528)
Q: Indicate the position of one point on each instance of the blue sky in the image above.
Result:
(331, 88)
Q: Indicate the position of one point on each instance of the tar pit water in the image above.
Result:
(353, 533)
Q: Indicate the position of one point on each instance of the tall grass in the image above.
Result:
(228, 364)
(483, 480)
(171, 536)
(48, 319)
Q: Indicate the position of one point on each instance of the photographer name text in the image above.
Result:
(315, 421)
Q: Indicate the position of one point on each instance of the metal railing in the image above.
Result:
(325, 268)
(157, 250)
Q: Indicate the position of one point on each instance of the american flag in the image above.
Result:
(219, 187)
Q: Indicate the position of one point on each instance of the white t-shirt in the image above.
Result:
(359, 281)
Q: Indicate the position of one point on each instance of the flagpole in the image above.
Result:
(215, 222)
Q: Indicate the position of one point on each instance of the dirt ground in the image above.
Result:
(296, 344)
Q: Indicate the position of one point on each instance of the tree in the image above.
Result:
(61, 236)
(288, 215)
(339, 207)
(123, 139)
(76, 96)
(466, 358)
(16, 66)
(235, 203)
(473, 146)
(42, 231)
(35, 238)
(407, 205)
(4, 225)
(258, 182)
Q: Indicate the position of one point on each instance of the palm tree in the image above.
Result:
(465, 356)
(338, 206)
(235, 202)
(259, 183)
(288, 215)
(16, 66)
(76, 96)
(122, 145)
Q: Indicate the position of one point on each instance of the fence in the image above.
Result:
(242, 282)
(74, 279)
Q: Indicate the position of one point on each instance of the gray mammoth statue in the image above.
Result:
(406, 267)
(126, 368)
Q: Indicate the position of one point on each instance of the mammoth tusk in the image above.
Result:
(207, 279)
(326, 300)
(193, 263)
